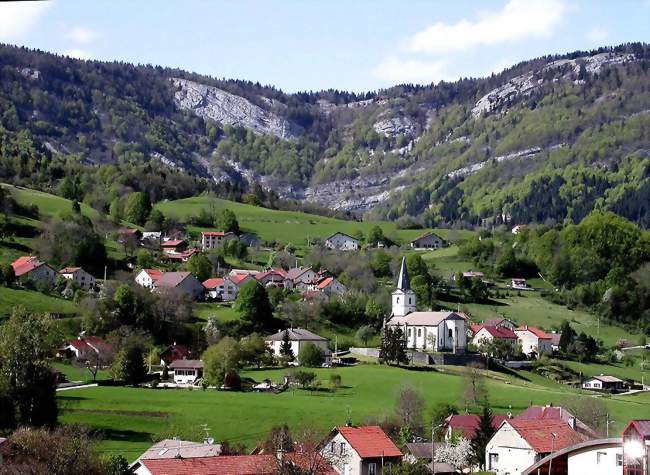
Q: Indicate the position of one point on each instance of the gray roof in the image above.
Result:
(172, 279)
(296, 272)
(422, 450)
(296, 334)
(607, 379)
(169, 448)
(186, 364)
(403, 280)
(424, 318)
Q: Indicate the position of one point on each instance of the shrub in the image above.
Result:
(311, 355)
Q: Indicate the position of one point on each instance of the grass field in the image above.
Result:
(287, 226)
(48, 205)
(75, 374)
(33, 301)
(131, 418)
(224, 313)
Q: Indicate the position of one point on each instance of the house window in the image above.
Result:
(332, 447)
(419, 332)
(409, 332)
(493, 461)
(619, 460)
(372, 469)
(342, 448)
(600, 457)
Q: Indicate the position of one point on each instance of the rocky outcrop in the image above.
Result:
(225, 108)
(471, 169)
(498, 99)
(399, 125)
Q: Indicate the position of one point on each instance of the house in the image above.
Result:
(484, 334)
(555, 341)
(500, 322)
(76, 274)
(593, 457)
(213, 239)
(272, 277)
(148, 277)
(636, 447)
(428, 241)
(84, 348)
(186, 371)
(518, 444)
(299, 278)
(240, 279)
(257, 464)
(432, 331)
(221, 288)
(466, 425)
(474, 275)
(181, 281)
(534, 342)
(30, 267)
(519, 284)
(362, 450)
(234, 272)
(174, 352)
(176, 449)
(558, 413)
(174, 246)
(342, 242)
(330, 286)
(298, 337)
(604, 383)
(182, 256)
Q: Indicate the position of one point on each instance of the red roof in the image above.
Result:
(500, 332)
(25, 264)
(173, 243)
(261, 464)
(213, 233)
(475, 327)
(213, 283)
(154, 274)
(370, 441)
(325, 282)
(468, 423)
(642, 426)
(239, 278)
(69, 270)
(274, 271)
(541, 334)
(539, 434)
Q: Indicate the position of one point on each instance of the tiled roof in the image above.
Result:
(468, 423)
(213, 283)
(425, 235)
(297, 272)
(154, 274)
(475, 327)
(545, 436)
(541, 334)
(495, 322)
(338, 233)
(608, 379)
(558, 413)
(169, 448)
(25, 264)
(173, 243)
(424, 318)
(295, 334)
(370, 441)
(214, 233)
(239, 278)
(172, 279)
(69, 270)
(325, 282)
(500, 332)
(276, 270)
(186, 364)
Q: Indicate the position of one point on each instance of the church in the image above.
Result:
(425, 331)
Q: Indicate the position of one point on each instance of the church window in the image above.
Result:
(451, 333)
(397, 300)
(419, 332)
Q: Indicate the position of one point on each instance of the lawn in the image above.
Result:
(131, 418)
(288, 226)
(33, 301)
(222, 312)
(48, 205)
(75, 374)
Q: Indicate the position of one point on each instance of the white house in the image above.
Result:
(78, 275)
(428, 241)
(221, 288)
(299, 278)
(534, 341)
(31, 267)
(186, 371)
(486, 334)
(500, 322)
(148, 277)
(182, 281)
(342, 242)
(359, 450)
(330, 286)
(212, 239)
(604, 383)
(84, 347)
(520, 284)
(518, 444)
(432, 331)
(593, 457)
(297, 337)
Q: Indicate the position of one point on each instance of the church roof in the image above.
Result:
(424, 318)
(403, 280)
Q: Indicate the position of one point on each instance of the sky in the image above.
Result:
(297, 45)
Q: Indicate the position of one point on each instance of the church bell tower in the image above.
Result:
(404, 301)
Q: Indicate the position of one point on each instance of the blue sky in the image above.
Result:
(299, 45)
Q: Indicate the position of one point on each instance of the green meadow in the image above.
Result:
(33, 301)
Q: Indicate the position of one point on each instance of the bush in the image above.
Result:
(311, 355)
(335, 381)
(305, 378)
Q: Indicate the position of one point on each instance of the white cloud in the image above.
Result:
(412, 70)
(518, 19)
(597, 34)
(17, 19)
(79, 54)
(81, 34)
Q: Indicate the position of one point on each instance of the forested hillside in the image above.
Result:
(546, 141)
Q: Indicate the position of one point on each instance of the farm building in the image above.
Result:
(342, 242)
(148, 277)
(428, 241)
(604, 383)
(30, 267)
(78, 275)
(181, 281)
(221, 288)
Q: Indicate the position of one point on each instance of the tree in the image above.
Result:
(364, 333)
(415, 266)
(286, 351)
(393, 346)
(380, 263)
(407, 468)
(311, 355)
(27, 341)
(211, 331)
(441, 411)
(567, 336)
(8, 275)
(144, 259)
(200, 266)
(227, 222)
(137, 208)
(156, 220)
(116, 465)
(255, 351)
(409, 409)
(422, 288)
(375, 236)
(129, 365)
(482, 436)
(99, 360)
(221, 359)
(305, 378)
(474, 392)
(457, 453)
(253, 306)
(335, 381)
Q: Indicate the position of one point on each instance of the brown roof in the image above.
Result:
(608, 379)
(296, 334)
(186, 364)
(642, 426)
(172, 279)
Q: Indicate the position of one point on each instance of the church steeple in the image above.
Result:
(403, 280)
(404, 301)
